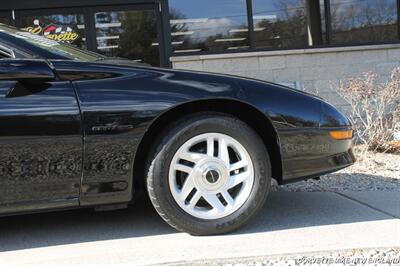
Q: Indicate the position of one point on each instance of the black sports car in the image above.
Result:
(78, 129)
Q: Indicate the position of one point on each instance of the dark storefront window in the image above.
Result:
(141, 31)
(323, 21)
(208, 25)
(4, 17)
(67, 28)
(128, 34)
(358, 21)
(3, 20)
(280, 24)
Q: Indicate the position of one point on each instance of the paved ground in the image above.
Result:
(291, 222)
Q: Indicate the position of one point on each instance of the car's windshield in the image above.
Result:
(61, 49)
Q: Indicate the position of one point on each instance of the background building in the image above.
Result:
(307, 44)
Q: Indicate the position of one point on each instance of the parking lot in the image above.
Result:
(291, 222)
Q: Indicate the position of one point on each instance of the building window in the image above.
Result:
(208, 25)
(323, 21)
(3, 20)
(128, 34)
(4, 17)
(67, 28)
(280, 24)
(360, 21)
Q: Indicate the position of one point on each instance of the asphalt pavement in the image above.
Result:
(290, 222)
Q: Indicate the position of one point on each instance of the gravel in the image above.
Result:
(373, 171)
(386, 256)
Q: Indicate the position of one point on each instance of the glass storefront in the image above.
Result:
(123, 31)
(280, 24)
(129, 34)
(208, 25)
(63, 27)
(355, 21)
(150, 31)
(4, 18)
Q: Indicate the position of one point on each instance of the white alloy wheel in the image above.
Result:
(211, 176)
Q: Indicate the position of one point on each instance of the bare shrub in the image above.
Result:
(375, 109)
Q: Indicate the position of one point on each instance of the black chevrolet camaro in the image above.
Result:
(78, 129)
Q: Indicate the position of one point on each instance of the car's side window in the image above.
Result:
(6, 53)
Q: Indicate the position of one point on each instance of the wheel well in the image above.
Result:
(250, 115)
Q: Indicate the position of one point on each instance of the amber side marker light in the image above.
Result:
(340, 135)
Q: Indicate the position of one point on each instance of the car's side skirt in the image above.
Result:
(39, 206)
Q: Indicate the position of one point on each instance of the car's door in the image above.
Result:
(40, 140)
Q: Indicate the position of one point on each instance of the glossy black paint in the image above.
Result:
(32, 70)
(115, 119)
(41, 147)
(74, 141)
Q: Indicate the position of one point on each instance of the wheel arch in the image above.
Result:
(244, 111)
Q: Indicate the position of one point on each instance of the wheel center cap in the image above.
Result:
(212, 176)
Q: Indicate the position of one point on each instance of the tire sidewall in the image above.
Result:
(178, 136)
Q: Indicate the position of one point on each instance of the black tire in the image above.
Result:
(163, 152)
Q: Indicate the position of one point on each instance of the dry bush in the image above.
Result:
(375, 109)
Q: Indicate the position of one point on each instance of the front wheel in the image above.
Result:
(209, 175)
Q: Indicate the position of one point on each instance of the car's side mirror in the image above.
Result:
(26, 70)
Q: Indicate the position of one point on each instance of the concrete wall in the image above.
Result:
(314, 70)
